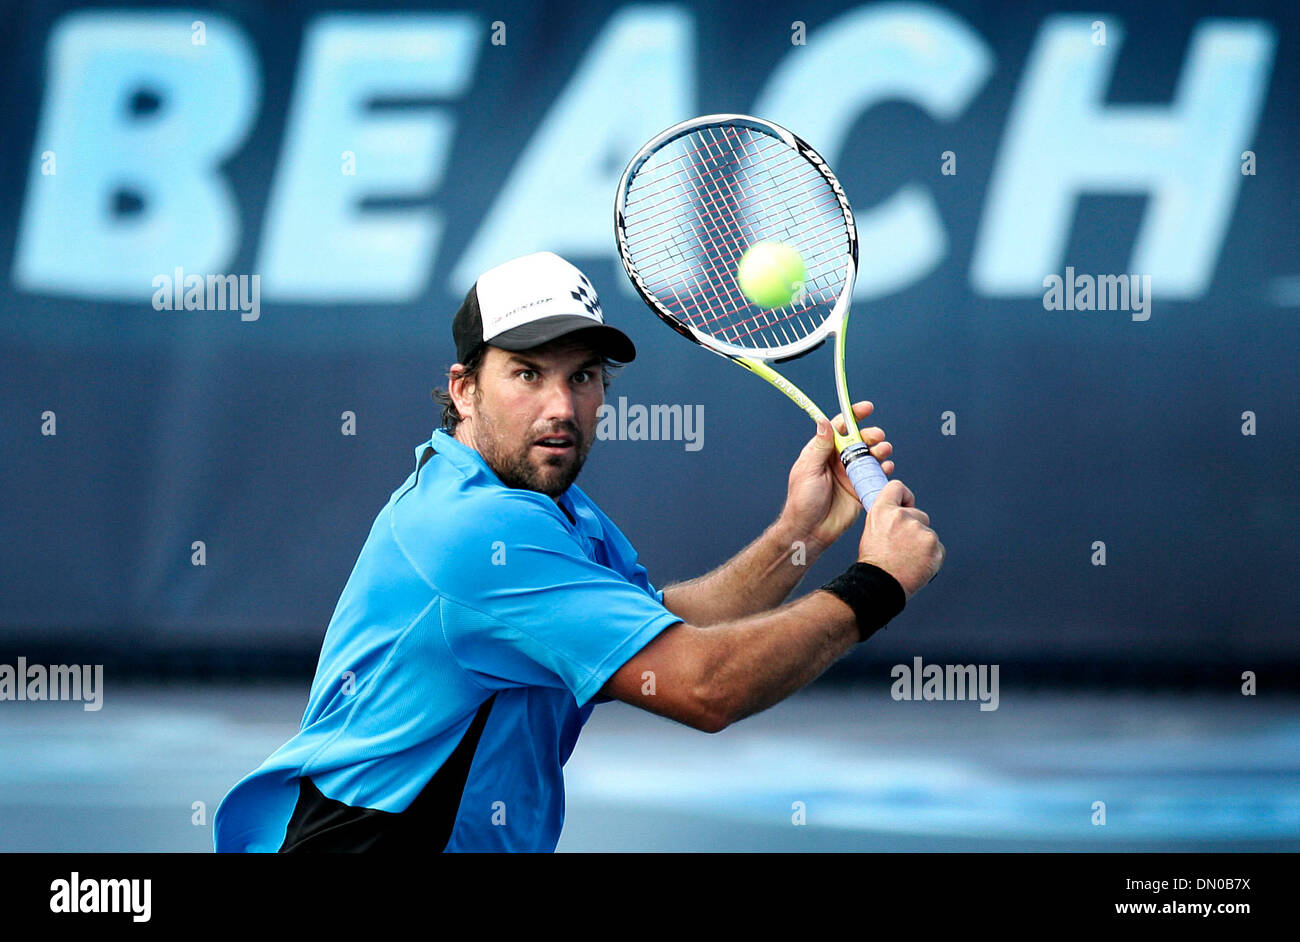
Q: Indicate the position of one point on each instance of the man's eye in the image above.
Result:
(528, 375)
(582, 376)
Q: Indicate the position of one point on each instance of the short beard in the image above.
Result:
(515, 470)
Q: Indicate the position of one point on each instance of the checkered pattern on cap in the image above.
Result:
(585, 295)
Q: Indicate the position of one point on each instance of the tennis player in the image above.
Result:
(494, 604)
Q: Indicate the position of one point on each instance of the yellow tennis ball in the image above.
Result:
(771, 274)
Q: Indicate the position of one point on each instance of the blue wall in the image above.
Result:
(219, 142)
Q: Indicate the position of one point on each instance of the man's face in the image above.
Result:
(532, 414)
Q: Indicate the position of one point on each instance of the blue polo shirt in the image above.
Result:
(459, 666)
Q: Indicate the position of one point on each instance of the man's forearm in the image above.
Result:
(709, 678)
(759, 661)
(758, 578)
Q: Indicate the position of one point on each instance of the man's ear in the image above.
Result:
(461, 389)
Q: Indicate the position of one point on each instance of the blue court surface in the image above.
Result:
(1188, 772)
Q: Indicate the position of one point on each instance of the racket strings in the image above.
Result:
(826, 202)
(663, 189)
(763, 317)
(724, 237)
(695, 207)
(729, 203)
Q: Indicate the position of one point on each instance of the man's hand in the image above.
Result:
(820, 505)
(820, 502)
(898, 539)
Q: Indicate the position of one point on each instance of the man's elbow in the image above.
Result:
(713, 724)
(693, 686)
(712, 709)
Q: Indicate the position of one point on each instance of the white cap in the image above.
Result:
(529, 301)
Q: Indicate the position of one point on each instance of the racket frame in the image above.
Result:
(759, 364)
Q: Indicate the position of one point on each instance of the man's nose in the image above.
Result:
(559, 401)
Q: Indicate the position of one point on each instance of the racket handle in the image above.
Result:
(864, 472)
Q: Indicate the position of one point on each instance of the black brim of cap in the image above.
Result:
(606, 340)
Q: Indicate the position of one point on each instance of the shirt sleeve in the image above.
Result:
(522, 604)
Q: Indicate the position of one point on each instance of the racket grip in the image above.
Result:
(864, 472)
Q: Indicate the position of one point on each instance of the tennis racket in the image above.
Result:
(689, 205)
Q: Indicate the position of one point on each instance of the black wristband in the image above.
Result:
(874, 595)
